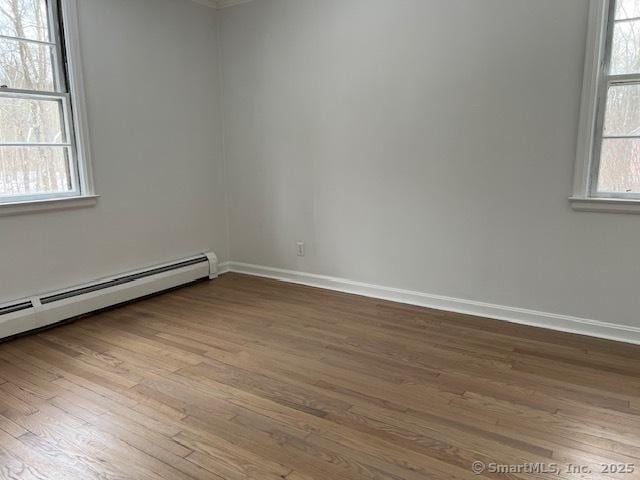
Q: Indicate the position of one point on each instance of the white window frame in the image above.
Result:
(74, 104)
(594, 97)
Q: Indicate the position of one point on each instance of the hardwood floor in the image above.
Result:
(247, 378)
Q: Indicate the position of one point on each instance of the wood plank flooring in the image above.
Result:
(248, 378)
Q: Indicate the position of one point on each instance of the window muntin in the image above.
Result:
(38, 156)
(616, 168)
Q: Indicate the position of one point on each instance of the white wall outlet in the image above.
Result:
(301, 249)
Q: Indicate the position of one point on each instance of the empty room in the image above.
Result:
(319, 239)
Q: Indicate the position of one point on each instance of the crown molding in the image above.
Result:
(220, 4)
(207, 3)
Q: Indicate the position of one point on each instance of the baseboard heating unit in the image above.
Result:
(42, 310)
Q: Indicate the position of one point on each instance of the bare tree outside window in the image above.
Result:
(620, 152)
(34, 148)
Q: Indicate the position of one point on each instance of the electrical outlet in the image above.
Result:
(301, 249)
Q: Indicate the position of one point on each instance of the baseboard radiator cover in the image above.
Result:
(522, 316)
(39, 311)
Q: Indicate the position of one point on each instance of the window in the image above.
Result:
(608, 166)
(43, 145)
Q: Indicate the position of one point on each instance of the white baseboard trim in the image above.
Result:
(224, 268)
(523, 316)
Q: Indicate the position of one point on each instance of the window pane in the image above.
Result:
(24, 19)
(623, 111)
(32, 121)
(627, 9)
(620, 166)
(26, 66)
(34, 170)
(625, 54)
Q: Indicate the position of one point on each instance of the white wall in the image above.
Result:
(420, 144)
(416, 144)
(152, 95)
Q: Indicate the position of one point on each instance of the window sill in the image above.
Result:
(35, 206)
(607, 205)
